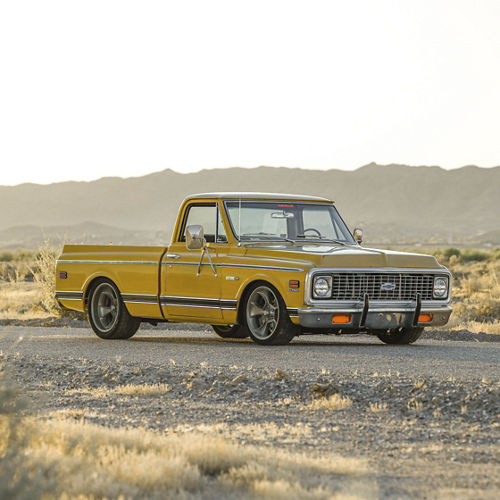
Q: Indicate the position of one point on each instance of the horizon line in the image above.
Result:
(371, 164)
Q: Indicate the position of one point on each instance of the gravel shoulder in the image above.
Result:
(426, 433)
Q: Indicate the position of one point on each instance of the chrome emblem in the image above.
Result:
(388, 287)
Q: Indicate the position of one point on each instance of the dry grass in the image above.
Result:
(126, 390)
(19, 300)
(377, 407)
(333, 402)
(27, 284)
(43, 270)
(143, 389)
(61, 458)
(476, 296)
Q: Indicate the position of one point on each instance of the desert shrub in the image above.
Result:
(6, 256)
(495, 254)
(43, 271)
(473, 255)
(448, 252)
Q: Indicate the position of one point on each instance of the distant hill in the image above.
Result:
(392, 203)
(90, 233)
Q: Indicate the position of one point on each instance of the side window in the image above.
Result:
(206, 215)
(221, 232)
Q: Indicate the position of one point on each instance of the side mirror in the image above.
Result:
(195, 239)
(358, 235)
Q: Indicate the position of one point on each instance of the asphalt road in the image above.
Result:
(466, 361)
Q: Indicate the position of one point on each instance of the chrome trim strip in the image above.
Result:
(333, 310)
(140, 302)
(198, 302)
(237, 266)
(189, 305)
(139, 298)
(133, 262)
(68, 295)
(292, 311)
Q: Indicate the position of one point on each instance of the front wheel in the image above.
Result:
(108, 315)
(401, 335)
(266, 317)
(230, 331)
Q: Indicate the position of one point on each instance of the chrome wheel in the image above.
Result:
(262, 312)
(105, 307)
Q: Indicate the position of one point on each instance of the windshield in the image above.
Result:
(264, 221)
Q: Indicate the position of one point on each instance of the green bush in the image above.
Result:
(6, 257)
(473, 255)
(448, 252)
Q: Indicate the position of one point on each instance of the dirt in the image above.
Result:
(424, 438)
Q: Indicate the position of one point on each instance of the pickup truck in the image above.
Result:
(265, 266)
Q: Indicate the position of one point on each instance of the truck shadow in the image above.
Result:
(247, 342)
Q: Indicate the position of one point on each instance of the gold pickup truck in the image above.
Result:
(264, 266)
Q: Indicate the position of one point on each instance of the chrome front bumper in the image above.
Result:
(374, 317)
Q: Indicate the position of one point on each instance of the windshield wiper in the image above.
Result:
(274, 237)
(321, 238)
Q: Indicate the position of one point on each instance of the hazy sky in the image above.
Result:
(99, 88)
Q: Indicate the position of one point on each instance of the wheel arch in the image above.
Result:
(91, 281)
(247, 287)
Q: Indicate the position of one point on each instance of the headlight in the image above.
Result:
(322, 287)
(440, 288)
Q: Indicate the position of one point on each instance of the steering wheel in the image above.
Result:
(315, 230)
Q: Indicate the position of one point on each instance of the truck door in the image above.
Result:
(189, 289)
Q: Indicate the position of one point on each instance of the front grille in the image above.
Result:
(354, 286)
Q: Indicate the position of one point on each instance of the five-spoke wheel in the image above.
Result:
(266, 317)
(108, 315)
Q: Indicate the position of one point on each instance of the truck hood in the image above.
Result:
(333, 256)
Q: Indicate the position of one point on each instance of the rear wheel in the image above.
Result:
(266, 316)
(230, 331)
(108, 315)
(401, 335)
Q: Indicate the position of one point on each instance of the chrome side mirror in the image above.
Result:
(358, 235)
(195, 237)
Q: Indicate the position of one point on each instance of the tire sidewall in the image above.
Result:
(110, 334)
(234, 332)
(279, 334)
(403, 337)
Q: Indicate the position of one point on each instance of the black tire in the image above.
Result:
(265, 316)
(107, 313)
(401, 335)
(231, 331)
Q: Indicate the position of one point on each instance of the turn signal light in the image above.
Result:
(425, 318)
(341, 319)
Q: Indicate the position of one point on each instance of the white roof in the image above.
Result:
(260, 196)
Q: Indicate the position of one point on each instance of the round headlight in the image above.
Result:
(322, 287)
(440, 288)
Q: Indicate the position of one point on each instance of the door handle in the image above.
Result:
(172, 256)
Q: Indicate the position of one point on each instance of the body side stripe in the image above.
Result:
(129, 262)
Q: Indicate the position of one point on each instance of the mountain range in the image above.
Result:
(395, 204)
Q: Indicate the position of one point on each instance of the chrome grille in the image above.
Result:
(405, 286)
